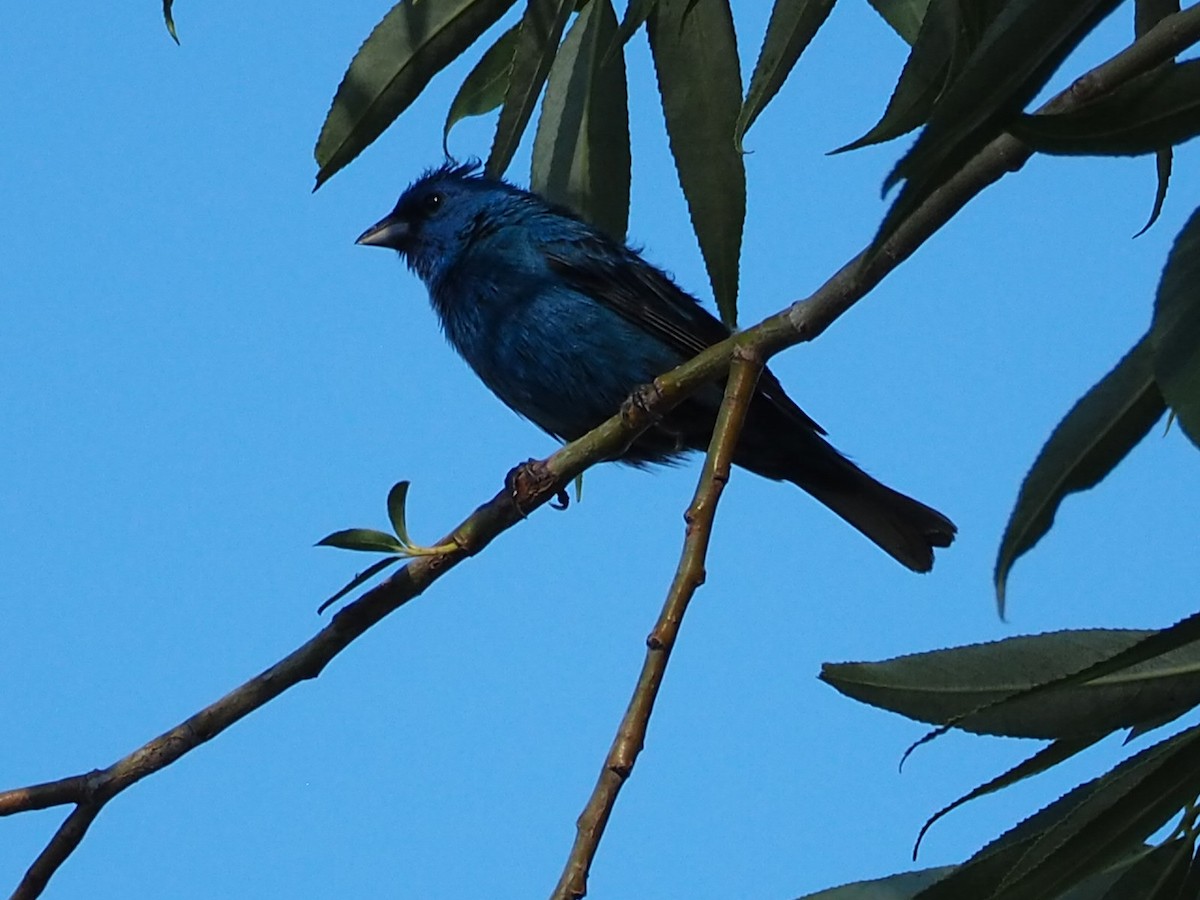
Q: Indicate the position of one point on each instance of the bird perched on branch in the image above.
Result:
(563, 323)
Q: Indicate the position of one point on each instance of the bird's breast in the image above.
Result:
(554, 355)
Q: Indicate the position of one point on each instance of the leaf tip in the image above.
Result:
(328, 603)
(170, 20)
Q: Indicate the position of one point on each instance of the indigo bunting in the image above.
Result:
(563, 323)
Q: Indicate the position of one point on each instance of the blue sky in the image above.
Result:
(201, 374)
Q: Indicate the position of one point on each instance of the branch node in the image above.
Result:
(1086, 88)
(621, 769)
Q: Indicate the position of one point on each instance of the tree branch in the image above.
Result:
(631, 735)
(536, 482)
(62, 845)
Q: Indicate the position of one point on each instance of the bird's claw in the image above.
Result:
(526, 482)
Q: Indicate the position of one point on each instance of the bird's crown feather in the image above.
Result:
(453, 170)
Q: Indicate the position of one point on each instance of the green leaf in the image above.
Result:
(922, 79)
(1095, 830)
(699, 79)
(980, 687)
(395, 505)
(361, 578)
(905, 16)
(1156, 110)
(1175, 333)
(1149, 725)
(1098, 432)
(1163, 868)
(1163, 160)
(1155, 645)
(169, 19)
(979, 876)
(636, 14)
(949, 34)
(367, 540)
(413, 42)
(538, 36)
(1015, 56)
(1120, 810)
(1044, 759)
(1191, 880)
(793, 25)
(895, 887)
(909, 885)
(1147, 14)
(483, 89)
(581, 148)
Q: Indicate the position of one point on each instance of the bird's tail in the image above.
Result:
(904, 528)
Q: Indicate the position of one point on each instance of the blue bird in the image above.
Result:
(563, 323)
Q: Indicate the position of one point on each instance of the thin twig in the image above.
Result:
(802, 321)
(631, 735)
(62, 845)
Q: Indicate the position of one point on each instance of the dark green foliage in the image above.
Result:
(537, 40)
(415, 41)
(581, 150)
(1175, 334)
(699, 79)
(972, 70)
(1099, 431)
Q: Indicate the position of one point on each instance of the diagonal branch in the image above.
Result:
(631, 735)
(62, 845)
(537, 481)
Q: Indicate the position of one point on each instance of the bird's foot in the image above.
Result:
(527, 482)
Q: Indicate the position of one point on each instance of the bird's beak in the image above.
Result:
(387, 232)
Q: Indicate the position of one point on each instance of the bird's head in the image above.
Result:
(438, 216)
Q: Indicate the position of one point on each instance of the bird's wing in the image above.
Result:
(647, 297)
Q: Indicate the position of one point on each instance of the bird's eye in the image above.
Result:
(432, 203)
